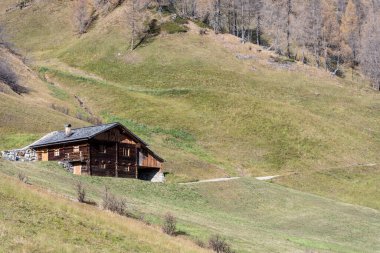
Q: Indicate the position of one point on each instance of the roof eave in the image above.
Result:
(58, 143)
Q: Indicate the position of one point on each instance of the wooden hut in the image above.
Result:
(102, 150)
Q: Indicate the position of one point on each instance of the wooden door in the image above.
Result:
(78, 169)
(45, 156)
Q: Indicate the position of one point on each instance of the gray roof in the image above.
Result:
(80, 134)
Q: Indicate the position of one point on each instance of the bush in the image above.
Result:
(113, 203)
(153, 27)
(201, 24)
(181, 21)
(23, 178)
(219, 244)
(173, 27)
(81, 192)
(61, 109)
(170, 224)
(23, 3)
(9, 77)
(200, 243)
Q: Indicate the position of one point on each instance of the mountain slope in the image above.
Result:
(253, 216)
(27, 116)
(211, 106)
(34, 221)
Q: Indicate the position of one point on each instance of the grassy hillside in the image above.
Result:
(207, 112)
(254, 216)
(34, 221)
(28, 116)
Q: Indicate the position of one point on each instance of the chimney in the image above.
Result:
(68, 130)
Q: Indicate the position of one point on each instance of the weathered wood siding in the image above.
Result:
(112, 153)
(111, 159)
(77, 153)
(114, 135)
(146, 159)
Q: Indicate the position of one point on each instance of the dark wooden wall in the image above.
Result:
(115, 161)
(112, 162)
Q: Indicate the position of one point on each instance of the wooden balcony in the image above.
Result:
(76, 157)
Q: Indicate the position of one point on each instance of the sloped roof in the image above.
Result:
(83, 134)
(80, 134)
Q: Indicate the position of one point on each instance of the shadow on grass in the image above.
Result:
(180, 232)
(90, 202)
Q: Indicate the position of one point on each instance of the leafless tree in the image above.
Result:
(133, 17)
(113, 203)
(170, 224)
(81, 192)
(370, 53)
(84, 16)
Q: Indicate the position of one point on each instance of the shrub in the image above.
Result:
(81, 192)
(61, 109)
(9, 77)
(23, 178)
(113, 203)
(219, 244)
(170, 224)
(181, 21)
(173, 27)
(200, 243)
(201, 24)
(23, 3)
(153, 27)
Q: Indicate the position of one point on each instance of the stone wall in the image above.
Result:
(23, 155)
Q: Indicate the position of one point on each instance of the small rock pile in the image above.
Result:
(67, 166)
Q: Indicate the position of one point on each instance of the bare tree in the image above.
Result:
(170, 224)
(84, 15)
(289, 13)
(134, 22)
(81, 192)
(217, 16)
(114, 203)
(370, 53)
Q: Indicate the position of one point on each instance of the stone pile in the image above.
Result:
(67, 166)
(23, 155)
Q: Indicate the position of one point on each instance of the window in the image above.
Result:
(56, 152)
(76, 149)
(102, 149)
(126, 152)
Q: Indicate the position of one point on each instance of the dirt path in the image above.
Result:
(223, 179)
(212, 180)
(266, 178)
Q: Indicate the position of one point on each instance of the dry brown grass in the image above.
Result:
(81, 220)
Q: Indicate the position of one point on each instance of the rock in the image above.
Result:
(158, 178)
(245, 57)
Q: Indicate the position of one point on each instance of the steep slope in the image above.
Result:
(254, 216)
(27, 116)
(211, 106)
